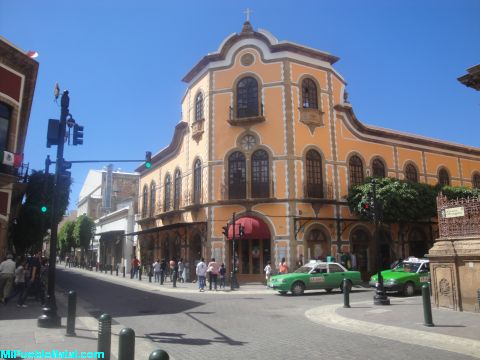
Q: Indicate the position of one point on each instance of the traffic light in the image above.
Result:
(43, 209)
(225, 231)
(53, 133)
(64, 176)
(148, 159)
(368, 210)
(77, 134)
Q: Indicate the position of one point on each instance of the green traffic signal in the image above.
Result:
(43, 209)
(148, 165)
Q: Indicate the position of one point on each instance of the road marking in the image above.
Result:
(327, 316)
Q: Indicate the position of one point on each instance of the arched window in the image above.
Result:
(178, 190)
(199, 107)
(476, 181)
(260, 174)
(197, 182)
(237, 177)
(314, 175)
(309, 94)
(247, 97)
(167, 195)
(443, 178)
(378, 168)
(411, 173)
(356, 170)
(145, 201)
(153, 194)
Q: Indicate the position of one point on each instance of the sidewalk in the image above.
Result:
(188, 287)
(403, 321)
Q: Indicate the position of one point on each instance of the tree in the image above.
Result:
(31, 224)
(403, 201)
(84, 231)
(66, 240)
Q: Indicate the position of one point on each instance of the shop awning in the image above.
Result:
(253, 228)
(110, 235)
(165, 228)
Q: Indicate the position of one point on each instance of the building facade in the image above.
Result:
(18, 76)
(268, 134)
(110, 199)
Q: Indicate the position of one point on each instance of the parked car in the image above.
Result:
(406, 278)
(314, 275)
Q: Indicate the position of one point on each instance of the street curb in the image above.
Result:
(327, 316)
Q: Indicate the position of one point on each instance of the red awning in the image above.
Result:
(253, 229)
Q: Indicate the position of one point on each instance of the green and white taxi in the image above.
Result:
(406, 278)
(314, 275)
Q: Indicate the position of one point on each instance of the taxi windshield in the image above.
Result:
(304, 269)
(408, 267)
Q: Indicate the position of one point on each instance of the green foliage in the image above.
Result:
(66, 240)
(459, 192)
(84, 231)
(403, 201)
(31, 225)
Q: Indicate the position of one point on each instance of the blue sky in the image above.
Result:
(123, 62)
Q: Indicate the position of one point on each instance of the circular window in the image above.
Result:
(247, 59)
(248, 142)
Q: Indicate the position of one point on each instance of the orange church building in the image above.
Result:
(267, 133)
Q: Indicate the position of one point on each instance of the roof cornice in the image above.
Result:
(274, 48)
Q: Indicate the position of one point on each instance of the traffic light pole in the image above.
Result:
(233, 277)
(380, 298)
(50, 318)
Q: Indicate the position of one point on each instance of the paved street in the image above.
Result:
(240, 325)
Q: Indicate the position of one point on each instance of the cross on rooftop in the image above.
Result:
(248, 12)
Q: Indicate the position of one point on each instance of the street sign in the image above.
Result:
(454, 212)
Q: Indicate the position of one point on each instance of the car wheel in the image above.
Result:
(328, 291)
(283, 292)
(349, 286)
(298, 288)
(409, 289)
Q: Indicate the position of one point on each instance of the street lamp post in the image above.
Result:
(233, 276)
(50, 318)
(380, 298)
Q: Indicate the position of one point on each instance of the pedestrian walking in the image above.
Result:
(221, 274)
(181, 269)
(163, 269)
(19, 284)
(283, 267)
(135, 267)
(213, 269)
(7, 273)
(201, 271)
(174, 269)
(268, 272)
(156, 270)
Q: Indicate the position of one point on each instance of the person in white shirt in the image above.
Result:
(268, 271)
(7, 273)
(156, 270)
(201, 273)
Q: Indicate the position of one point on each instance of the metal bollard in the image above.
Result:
(427, 306)
(71, 310)
(346, 293)
(140, 274)
(117, 270)
(126, 344)
(149, 277)
(123, 271)
(159, 355)
(111, 269)
(105, 335)
(106, 269)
